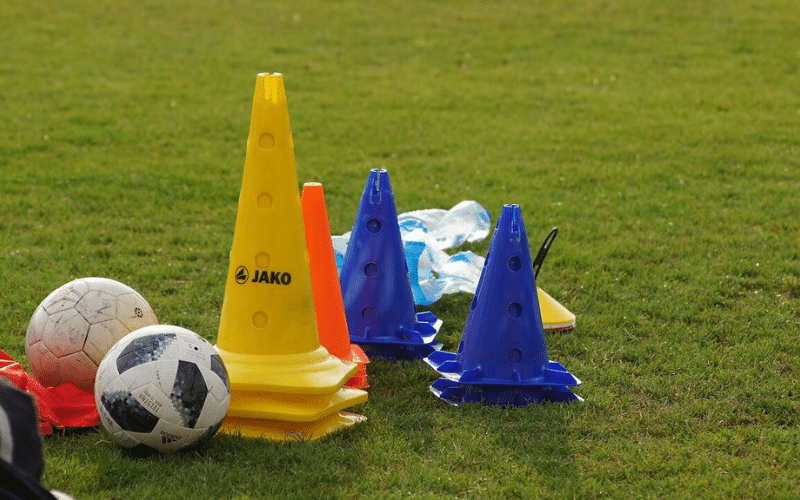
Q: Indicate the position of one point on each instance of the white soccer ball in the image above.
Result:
(76, 325)
(163, 387)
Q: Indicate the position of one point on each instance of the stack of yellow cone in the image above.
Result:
(284, 384)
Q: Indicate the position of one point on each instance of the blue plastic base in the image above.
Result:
(469, 386)
(500, 395)
(416, 343)
(447, 365)
(406, 351)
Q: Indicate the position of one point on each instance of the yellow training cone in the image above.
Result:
(555, 317)
(284, 385)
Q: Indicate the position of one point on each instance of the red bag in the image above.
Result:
(63, 406)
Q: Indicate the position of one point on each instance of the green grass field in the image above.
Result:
(660, 137)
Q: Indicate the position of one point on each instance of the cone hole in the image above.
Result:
(515, 355)
(260, 319)
(373, 225)
(371, 269)
(369, 313)
(515, 309)
(264, 201)
(262, 260)
(514, 263)
(266, 141)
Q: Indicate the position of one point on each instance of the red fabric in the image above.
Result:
(65, 405)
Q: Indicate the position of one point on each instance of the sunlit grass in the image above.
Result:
(661, 138)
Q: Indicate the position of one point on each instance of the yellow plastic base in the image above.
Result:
(292, 407)
(280, 430)
(313, 372)
(290, 396)
(555, 317)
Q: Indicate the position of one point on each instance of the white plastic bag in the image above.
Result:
(426, 235)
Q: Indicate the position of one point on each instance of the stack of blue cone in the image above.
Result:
(378, 299)
(502, 358)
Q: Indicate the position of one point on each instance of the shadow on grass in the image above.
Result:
(417, 444)
(411, 445)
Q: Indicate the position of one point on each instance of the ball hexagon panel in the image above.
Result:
(134, 311)
(101, 337)
(97, 306)
(46, 369)
(65, 332)
(81, 368)
(36, 326)
(65, 297)
(109, 286)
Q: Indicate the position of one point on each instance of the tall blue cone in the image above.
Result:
(378, 299)
(502, 358)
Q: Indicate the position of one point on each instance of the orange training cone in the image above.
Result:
(328, 302)
(284, 384)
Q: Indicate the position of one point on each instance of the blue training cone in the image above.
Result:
(502, 358)
(378, 299)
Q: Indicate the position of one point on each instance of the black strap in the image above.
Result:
(537, 262)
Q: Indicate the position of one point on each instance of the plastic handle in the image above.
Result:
(537, 262)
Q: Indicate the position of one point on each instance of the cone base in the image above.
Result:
(446, 364)
(315, 372)
(292, 407)
(410, 344)
(359, 380)
(279, 430)
(357, 355)
(400, 350)
(457, 394)
(555, 317)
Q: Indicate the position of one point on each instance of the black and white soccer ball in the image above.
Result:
(162, 387)
(75, 326)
